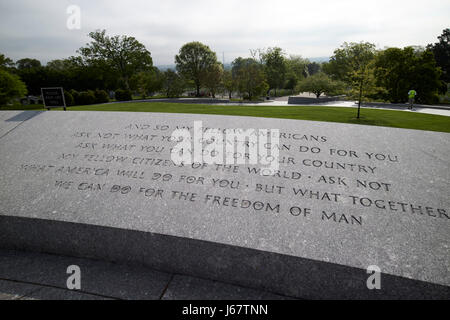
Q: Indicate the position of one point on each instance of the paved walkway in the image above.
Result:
(32, 276)
(283, 102)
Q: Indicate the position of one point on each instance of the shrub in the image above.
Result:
(69, 98)
(76, 96)
(10, 87)
(123, 95)
(101, 96)
(86, 97)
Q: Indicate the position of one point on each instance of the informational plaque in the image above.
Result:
(53, 98)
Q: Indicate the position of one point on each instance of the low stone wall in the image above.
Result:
(306, 100)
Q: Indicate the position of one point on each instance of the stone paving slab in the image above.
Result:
(28, 275)
(189, 288)
(11, 290)
(98, 277)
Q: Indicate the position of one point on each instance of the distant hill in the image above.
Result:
(319, 59)
(165, 67)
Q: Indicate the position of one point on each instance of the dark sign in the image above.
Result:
(53, 97)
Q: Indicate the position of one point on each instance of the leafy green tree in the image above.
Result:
(393, 69)
(400, 70)
(296, 70)
(212, 78)
(91, 75)
(6, 63)
(33, 74)
(147, 82)
(318, 84)
(250, 77)
(229, 83)
(363, 85)
(193, 60)
(274, 62)
(138, 83)
(11, 87)
(28, 63)
(61, 73)
(173, 84)
(122, 54)
(313, 68)
(155, 83)
(426, 77)
(441, 52)
(353, 64)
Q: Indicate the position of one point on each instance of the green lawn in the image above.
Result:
(374, 117)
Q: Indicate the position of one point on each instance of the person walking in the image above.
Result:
(411, 97)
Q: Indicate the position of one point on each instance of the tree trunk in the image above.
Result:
(360, 98)
(127, 85)
(198, 90)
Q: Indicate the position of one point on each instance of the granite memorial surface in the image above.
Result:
(343, 198)
(9, 120)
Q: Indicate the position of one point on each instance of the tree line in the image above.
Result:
(122, 64)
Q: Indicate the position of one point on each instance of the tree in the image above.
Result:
(393, 69)
(426, 77)
(229, 83)
(400, 70)
(212, 78)
(353, 64)
(138, 82)
(313, 68)
(33, 74)
(121, 54)
(28, 63)
(318, 84)
(173, 84)
(296, 70)
(275, 67)
(193, 60)
(147, 82)
(250, 77)
(154, 82)
(6, 63)
(441, 51)
(10, 87)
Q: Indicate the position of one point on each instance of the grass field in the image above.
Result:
(373, 117)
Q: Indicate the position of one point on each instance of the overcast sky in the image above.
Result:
(37, 28)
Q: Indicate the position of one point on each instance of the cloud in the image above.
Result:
(310, 28)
